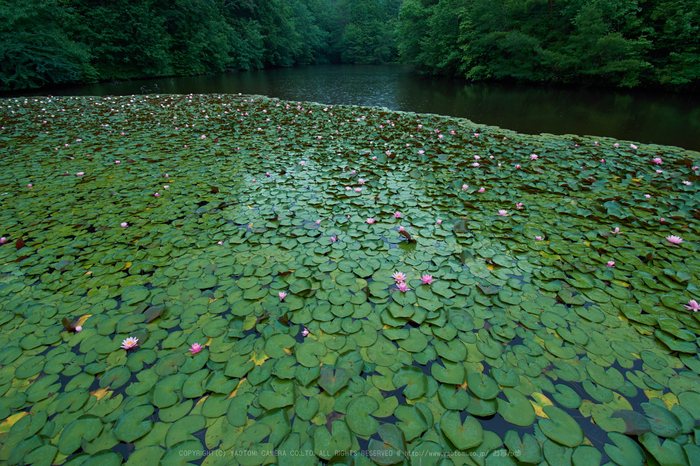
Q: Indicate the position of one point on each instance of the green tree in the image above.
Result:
(32, 56)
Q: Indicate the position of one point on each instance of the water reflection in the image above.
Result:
(659, 118)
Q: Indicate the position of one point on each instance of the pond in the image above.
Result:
(644, 116)
(226, 279)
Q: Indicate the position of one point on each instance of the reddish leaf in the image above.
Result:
(68, 325)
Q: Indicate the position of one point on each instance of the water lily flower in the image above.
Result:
(687, 183)
(196, 348)
(475, 164)
(503, 213)
(220, 243)
(674, 239)
(302, 163)
(203, 136)
(267, 174)
(370, 220)
(348, 188)
(397, 214)
(616, 145)
(427, 279)
(361, 181)
(657, 160)
(662, 220)
(481, 190)
(633, 146)
(124, 224)
(476, 135)
(421, 152)
(167, 176)
(595, 143)
(78, 328)
(318, 222)
(439, 222)
(693, 306)
(357, 190)
(374, 158)
(117, 162)
(602, 160)
(129, 343)
(611, 264)
(29, 186)
(539, 238)
(353, 172)
(658, 172)
(399, 277)
(616, 230)
(517, 166)
(3, 240)
(465, 187)
(305, 332)
(334, 238)
(648, 196)
(403, 287)
(401, 228)
(533, 157)
(519, 206)
(282, 295)
(156, 194)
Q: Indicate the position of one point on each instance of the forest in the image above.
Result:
(624, 43)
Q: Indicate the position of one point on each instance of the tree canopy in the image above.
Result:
(612, 43)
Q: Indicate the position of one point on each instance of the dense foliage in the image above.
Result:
(90, 40)
(612, 42)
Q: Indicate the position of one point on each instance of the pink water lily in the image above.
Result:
(616, 145)
(693, 306)
(534, 156)
(632, 146)
(674, 239)
(648, 196)
(399, 277)
(519, 206)
(220, 243)
(397, 214)
(657, 160)
(305, 332)
(539, 238)
(687, 183)
(481, 190)
(403, 287)
(401, 228)
(361, 181)
(117, 162)
(611, 264)
(3, 240)
(427, 279)
(302, 163)
(503, 213)
(124, 224)
(517, 166)
(358, 190)
(348, 188)
(282, 295)
(616, 231)
(80, 174)
(78, 328)
(370, 220)
(465, 187)
(196, 348)
(129, 343)
(439, 222)
(156, 194)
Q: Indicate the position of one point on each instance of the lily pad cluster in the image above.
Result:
(545, 309)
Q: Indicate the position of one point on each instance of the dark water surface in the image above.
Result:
(647, 117)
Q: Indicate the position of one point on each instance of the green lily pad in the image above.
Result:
(332, 380)
(462, 435)
(517, 410)
(358, 416)
(561, 427)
